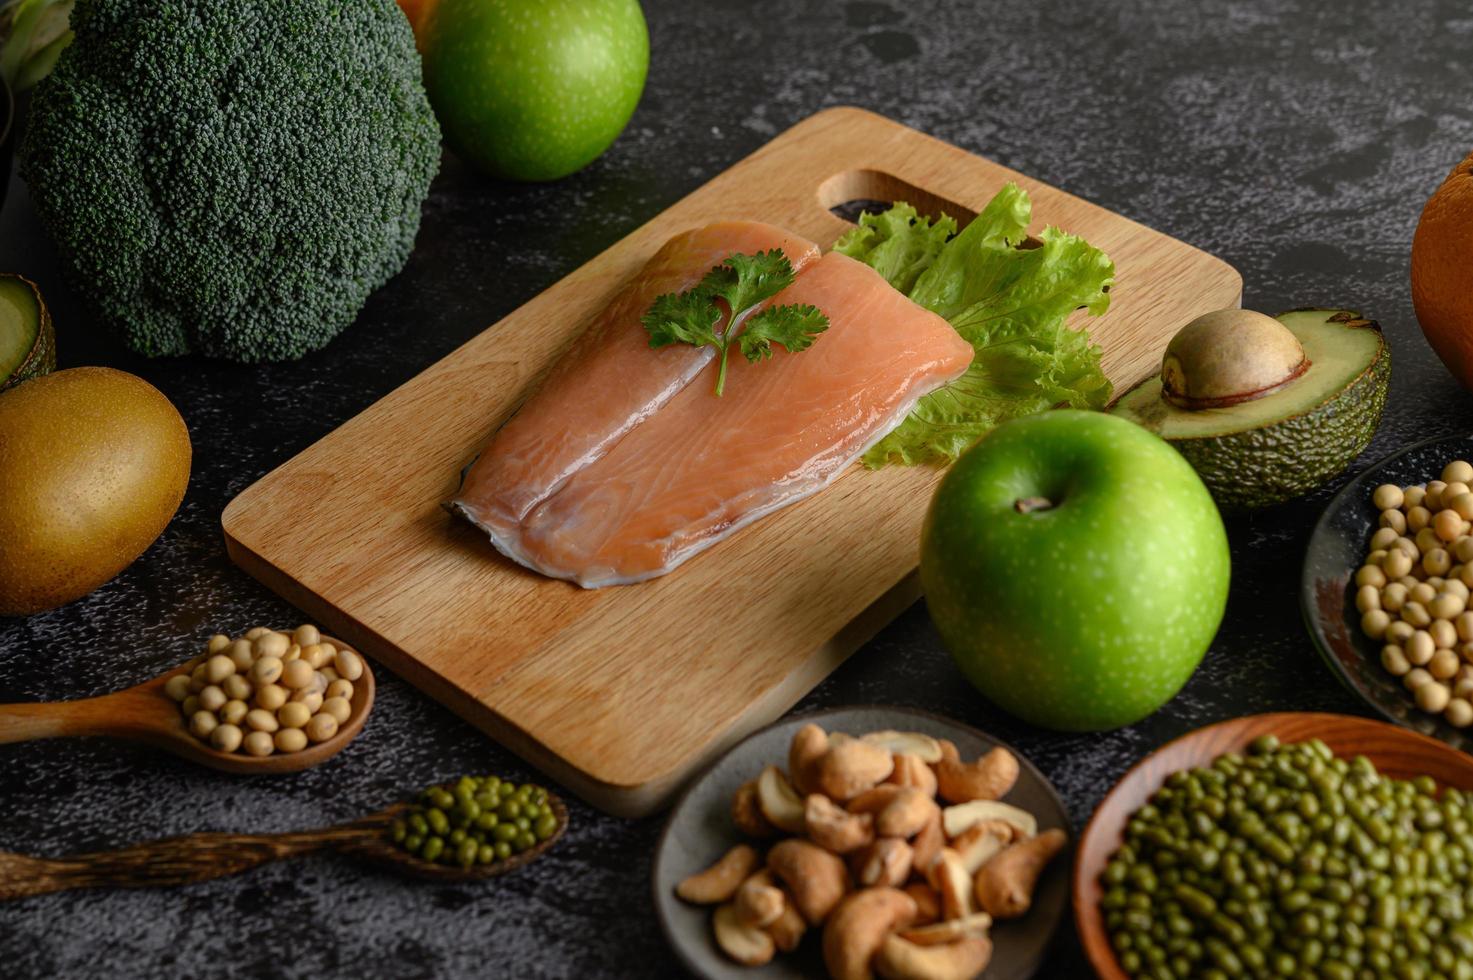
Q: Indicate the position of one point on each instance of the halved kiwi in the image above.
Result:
(27, 341)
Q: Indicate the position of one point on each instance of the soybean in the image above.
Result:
(263, 683)
(1412, 588)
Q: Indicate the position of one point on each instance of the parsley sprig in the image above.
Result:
(740, 282)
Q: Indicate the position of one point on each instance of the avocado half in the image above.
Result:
(27, 340)
(1295, 437)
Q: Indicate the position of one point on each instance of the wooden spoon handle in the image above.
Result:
(127, 713)
(24, 722)
(173, 861)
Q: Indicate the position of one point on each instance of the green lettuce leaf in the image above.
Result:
(956, 279)
(1010, 303)
(898, 244)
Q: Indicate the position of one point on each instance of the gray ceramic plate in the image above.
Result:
(1327, 596)
(700, 831)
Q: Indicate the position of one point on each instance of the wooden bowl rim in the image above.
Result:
(1088, 920)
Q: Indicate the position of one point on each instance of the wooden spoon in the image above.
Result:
(200, 857)
(1395, 752)
(146, 714)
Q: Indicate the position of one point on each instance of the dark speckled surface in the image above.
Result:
(1296, 140)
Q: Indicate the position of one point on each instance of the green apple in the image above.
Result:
(1076, 568)
(533, 89)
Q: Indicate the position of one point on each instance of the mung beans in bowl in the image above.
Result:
(1287, 844)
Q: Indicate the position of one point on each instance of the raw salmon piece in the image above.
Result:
(703, 466)
(609, 382)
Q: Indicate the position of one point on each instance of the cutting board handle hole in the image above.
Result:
(847, 194)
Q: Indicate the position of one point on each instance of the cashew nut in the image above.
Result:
(982, 841)
(987, 778)
(787, 932)
(923, 747)
(758, 901)
(720, 881)
(956, 819)
(928, 902)
(858, 928)
(928, 843)
(747, 815)
(885, 862)
(745, 944)
(906, 815)
(809, 745)
(850, 767)
(873, 800)
(964, 959)
(816, 879)
(976, 924)
(911, 770)
(950, 878)
(834, 828)
(782, 807)
(1005, 884)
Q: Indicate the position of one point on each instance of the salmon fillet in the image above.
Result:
(703, 467)
(608, 383)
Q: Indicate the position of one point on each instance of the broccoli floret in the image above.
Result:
(232, 177)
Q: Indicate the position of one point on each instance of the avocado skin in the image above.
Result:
(41, 358)
(1268, 465)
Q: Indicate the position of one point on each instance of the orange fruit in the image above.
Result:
(418, 11)
(1442, 272)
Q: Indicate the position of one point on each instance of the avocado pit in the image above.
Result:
(1228, 357)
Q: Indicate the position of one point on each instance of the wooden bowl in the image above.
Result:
(1395, 752)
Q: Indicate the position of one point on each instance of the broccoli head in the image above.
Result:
(232, 177)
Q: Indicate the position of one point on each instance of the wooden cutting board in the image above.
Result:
(623, 693)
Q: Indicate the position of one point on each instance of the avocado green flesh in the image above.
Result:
(27, 347)
(1283, 445)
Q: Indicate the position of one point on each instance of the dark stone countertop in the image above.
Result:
(1296, 140)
